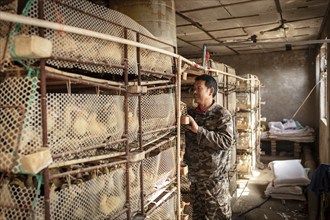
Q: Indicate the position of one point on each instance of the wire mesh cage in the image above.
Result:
(75, 51)
(135, 188)
(79, 121)
(246, 140)
(157, 111)
(158, 170)
(19, 198)
(246, 120)
(98, 194)
(20, 91)
(166, 210)
(86, 125)
(10, 134)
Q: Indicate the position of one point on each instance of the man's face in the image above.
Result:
(201, 92)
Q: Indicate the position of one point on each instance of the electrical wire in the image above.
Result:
(254, 207)
(294, 115)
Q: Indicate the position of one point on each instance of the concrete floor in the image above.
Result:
(250, 194)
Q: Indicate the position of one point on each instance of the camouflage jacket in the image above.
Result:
(208, 152)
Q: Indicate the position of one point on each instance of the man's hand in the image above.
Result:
(193, 126)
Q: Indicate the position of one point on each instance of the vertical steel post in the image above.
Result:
(178, 122)
(204, 56)
(128, 205)
(44, 113)
(138, 54)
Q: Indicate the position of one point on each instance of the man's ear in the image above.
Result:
(211, 91)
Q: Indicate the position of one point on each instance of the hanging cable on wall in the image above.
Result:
(294, 115)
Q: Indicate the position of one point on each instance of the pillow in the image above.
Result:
(288, 173)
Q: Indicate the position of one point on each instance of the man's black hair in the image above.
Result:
(209, 82)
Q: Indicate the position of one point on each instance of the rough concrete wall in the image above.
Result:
(324, 151)
(288, 77)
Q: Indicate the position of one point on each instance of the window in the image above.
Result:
(323, 87)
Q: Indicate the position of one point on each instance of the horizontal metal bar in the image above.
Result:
(158, 130)
(82, 170)
(161, 87)
(159, 144)
(83, 81)
(56, 156)
(72, 60)
(306, 42)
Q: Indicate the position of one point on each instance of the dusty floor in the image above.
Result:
(251, 204)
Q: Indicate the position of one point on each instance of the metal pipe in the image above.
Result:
(82, 170)
(147, 83)
(44, 113)
(83, 81)
(157, 73)
(56, 156)
(164, 186)
(159, 145)
(84, 160)
(306, 42)
(161, 87)
(158, 130)
(204, 55)
(196, 65)
(178, 124)
(138, 53)
(159, 137)
(128, 205)
(119, 213)
(162, 200)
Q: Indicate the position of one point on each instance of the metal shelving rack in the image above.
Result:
(109, 119)
(248, 118)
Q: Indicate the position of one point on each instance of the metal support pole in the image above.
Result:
(128, 205)
(138, 53)
(44, 113)
(204, 55)
(178, 122)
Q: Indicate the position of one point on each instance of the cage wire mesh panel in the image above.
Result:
(166, 211)
(153, 61)
(135, 188)
(157, 111)
(5, 26)
(15, 91)
(101, 196)
(158, 169)
(18, 200)
(133, 119)
(11, 121)
(88, 53)
(78, 121)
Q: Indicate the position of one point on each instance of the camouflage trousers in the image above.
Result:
(211, 200)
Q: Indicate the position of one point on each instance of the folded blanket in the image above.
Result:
(292, 190)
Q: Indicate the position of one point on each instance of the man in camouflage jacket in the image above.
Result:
(209, 139)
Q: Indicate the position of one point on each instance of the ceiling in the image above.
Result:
(230, 27)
